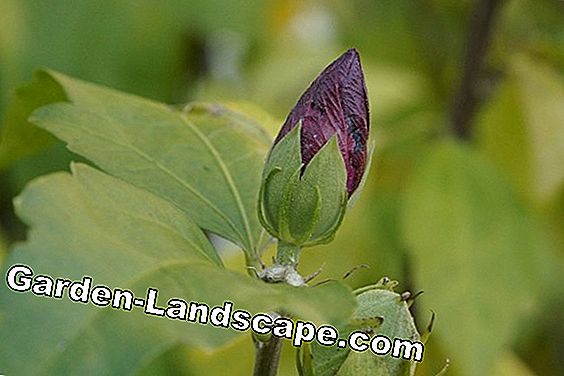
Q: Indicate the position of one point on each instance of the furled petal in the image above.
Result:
(336, 102)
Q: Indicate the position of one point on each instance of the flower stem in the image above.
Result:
(267, 356)
(287, 254)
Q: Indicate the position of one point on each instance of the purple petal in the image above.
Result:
(336, 102)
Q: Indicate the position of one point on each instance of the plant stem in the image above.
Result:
(287, 254)
(479, 35)
(252, 263)
(267, 356)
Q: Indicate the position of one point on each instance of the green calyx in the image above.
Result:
(298, 207)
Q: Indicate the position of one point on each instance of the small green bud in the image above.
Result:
(301, 206)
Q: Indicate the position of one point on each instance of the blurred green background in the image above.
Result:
(465, 199)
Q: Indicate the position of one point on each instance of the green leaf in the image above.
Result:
(473, 246)
(384, 312)
(3, 246)
(90, 223)
(18, 137)
(364, 364)
(527, 114)
(511, 365)
(206, 160)
(249, 111)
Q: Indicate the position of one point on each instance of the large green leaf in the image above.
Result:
(207, 159)
(131, 45)
(521, 129)
(90, 223)
(473, 246)
(19, 138)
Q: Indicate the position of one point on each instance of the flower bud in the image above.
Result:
(319, 157)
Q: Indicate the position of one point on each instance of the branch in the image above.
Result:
(267, 356)
(479, 35)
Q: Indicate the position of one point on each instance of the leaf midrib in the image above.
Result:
(148, 158)
(228, 178)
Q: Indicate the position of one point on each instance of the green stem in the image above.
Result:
(267, 354)
(252, 263)
(287, 254)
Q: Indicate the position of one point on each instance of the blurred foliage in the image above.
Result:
(90, 223)
(477, 224)
(459, 212)
(3, 246)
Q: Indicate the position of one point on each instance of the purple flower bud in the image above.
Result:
(336, 102)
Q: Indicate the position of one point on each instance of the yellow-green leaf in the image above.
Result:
(473, 246)
(207, 160)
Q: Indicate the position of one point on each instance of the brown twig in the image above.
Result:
(479, 36)
(267, 356)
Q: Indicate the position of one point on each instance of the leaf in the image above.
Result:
(19, 138)
(511, 365)
(3, 246)
(113, 45)
(250, 111)
(527, 116)
(207, 160)
(473, 245)
(90, 223)
(364, 363)
(385, 307)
